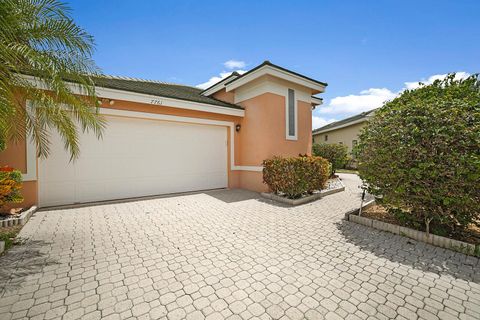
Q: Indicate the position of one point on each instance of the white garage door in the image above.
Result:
(136, 157)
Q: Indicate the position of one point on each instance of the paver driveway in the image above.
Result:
(229, 254)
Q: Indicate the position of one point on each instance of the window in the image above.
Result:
(354, 150)
(340, 142)
(291, 115)
(326, 137)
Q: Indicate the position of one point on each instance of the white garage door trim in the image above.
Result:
(145, 115)
(31, 155)
(161, 164)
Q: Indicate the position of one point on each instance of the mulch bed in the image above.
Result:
(378, 212)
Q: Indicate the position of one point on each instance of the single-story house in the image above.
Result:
(166, 138)
(345, 131)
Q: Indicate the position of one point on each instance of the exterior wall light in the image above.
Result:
(237, 127)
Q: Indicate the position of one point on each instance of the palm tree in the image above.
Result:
(41, 48)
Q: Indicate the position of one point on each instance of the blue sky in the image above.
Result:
(365, 50)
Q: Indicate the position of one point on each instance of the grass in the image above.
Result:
(8, 235)
(346, 171)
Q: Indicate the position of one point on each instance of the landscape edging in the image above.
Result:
(296, 202)
(438, 241)
(21, 220)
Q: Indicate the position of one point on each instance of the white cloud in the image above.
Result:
(374, 97)
(216, 79)
(431, 79)
(234, 64)
(355, 103)
(318, 122)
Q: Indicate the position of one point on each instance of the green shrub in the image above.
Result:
(295, 176)
(421, 153)
(10, 185)
(337, 154)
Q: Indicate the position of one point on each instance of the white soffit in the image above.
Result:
(272, 71)
(270, 85)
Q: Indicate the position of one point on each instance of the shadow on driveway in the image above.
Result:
(233, 195)
(22, 261)
(418, 255)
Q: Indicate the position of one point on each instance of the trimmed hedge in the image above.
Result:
(421, 153)
(295, 176)
(336, 153)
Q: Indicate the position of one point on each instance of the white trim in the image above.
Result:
(317, 101)
(287, 116)
(147, 99)
(30, 153)
(31, 156)
(169, 102)
(276, 73)
(31, 159)
(340, 126)
(262, 86)
(249, 168)
(218, 86)
(164, 117)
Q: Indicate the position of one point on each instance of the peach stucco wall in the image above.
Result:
(225, 96)
(15, 156)
(262, 135)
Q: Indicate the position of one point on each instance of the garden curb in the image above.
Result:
(438, 241)
(21, 220)
(296, 202)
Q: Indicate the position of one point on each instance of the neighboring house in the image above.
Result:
(345, 131)
(165, 138)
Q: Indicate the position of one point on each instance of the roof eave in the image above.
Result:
(316, 101)
(133, 96)
(343, 125)
(279, 72)
(219, 85)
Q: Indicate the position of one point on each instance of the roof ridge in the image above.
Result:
(358, 116)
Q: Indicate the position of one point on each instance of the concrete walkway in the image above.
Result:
(229, 255)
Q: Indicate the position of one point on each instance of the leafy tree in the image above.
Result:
(421, 153)
(337, 154)
(41, 47)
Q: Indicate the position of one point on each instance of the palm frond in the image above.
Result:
(39, 39)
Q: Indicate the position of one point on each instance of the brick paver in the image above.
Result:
(229, 255)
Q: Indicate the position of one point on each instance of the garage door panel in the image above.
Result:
(58, 192)
(136, 157)
(90, 191)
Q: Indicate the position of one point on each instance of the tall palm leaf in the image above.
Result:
(42, 48)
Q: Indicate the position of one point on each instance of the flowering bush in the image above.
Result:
(295, 176)
(10, 185)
